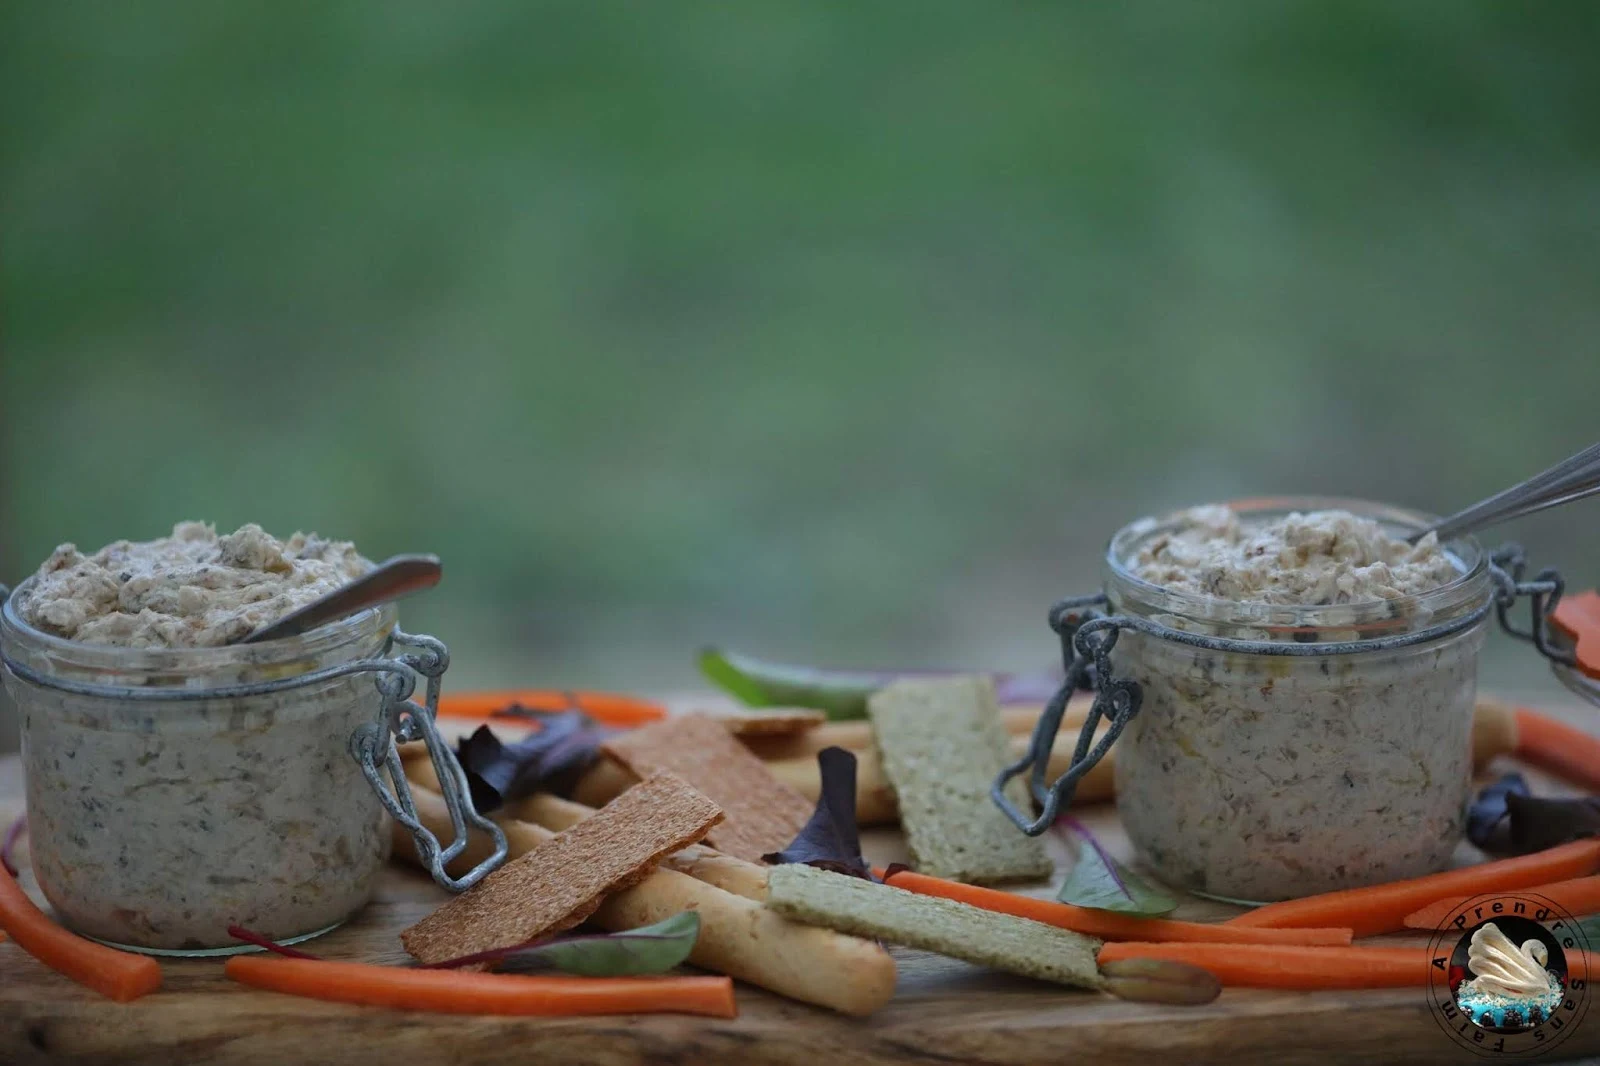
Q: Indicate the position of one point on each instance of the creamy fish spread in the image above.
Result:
(1312, 559)
(194, 589)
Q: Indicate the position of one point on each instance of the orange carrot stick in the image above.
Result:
(1289, 966)
(608, 708)
(1297, 967)
(118, 975)
(1558, 747)
(1383, 908)
(1108, 925)
(1577, 896)
(454, 992)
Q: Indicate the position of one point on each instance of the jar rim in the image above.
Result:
(1470, 588)
(196, 661)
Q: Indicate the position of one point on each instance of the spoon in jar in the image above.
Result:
(1571, 479)
(397, 576)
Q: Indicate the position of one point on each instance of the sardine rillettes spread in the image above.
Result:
(1260, 777)
(158, 823)
(194, 589)
(1324, 557)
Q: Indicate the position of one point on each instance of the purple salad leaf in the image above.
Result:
(831, 839)
(250, 936)
(1488, 810)
(1538, 822)
(548, 760)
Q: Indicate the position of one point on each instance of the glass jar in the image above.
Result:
(1268, 751)
(173, 792)
(1254, 776)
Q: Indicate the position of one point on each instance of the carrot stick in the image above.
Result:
(118, 975)
(1577, 896)
(1108, 925)
(454, 992)
(1559, 748)
(1289, 966)
(1383, 908)
(607, 708)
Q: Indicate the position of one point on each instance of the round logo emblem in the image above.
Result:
(1507, 974)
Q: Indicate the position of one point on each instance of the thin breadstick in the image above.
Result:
(738, 936)
(739, 876)
(603, 782)
(875, 800)
(742, 878)
(1494, 732)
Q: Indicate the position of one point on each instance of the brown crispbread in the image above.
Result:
(564, 880)
(768, 721)
(762, 813)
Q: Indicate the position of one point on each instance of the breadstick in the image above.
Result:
(875, 803)
(1494, 732)
(742, 878)
(738, 936)
(875, 799)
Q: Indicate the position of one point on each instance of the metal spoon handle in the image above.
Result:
(397, 576)
(1573, 478)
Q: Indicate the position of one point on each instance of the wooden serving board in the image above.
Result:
(944, 1011)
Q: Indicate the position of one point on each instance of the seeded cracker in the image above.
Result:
(866, 908)
(942, 744)
(762, 813)
(562, 881)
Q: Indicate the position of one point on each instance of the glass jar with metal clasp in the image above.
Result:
(174, 792)
(1268, 751)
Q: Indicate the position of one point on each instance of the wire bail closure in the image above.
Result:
(373, 747)
(1088, 636)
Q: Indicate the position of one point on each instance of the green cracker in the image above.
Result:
(865, 908)
(942, 745)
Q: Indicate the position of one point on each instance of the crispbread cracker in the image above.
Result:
(762, 814)
(768, 721)
(943, 743)
(562, 881)
(865, 908)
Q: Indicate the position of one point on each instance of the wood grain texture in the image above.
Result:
(944, 1012)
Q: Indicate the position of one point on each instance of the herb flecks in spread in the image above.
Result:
(194, 589)
(1311, 559)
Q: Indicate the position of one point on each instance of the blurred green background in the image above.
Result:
(841, 333)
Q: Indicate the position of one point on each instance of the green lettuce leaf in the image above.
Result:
(842, 694)
(650, 949)
(1097, 880)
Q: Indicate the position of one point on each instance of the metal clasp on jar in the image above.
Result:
(373, 747)
(1088, 635)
